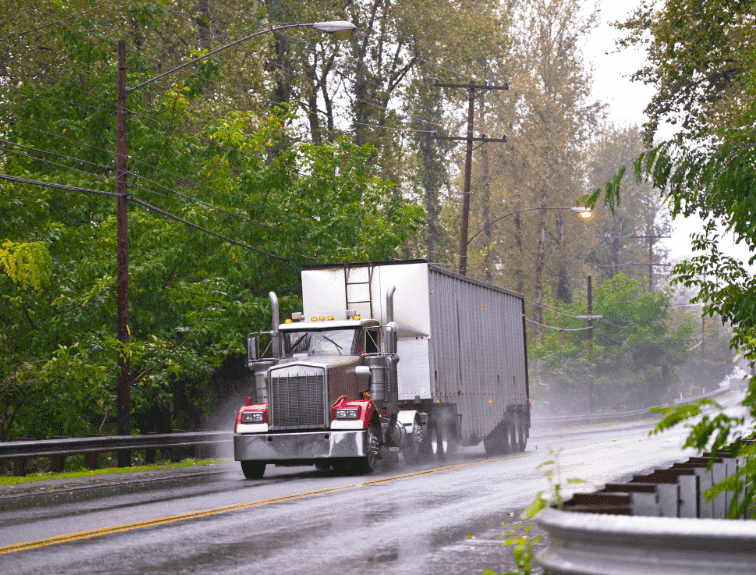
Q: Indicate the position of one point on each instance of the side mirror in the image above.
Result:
(253, 353)
(390, 335)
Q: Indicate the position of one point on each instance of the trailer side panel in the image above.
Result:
(477, 350)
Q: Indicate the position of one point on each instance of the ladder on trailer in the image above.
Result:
(348, 275)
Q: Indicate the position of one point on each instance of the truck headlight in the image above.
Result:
(347, 413)
(253, 417)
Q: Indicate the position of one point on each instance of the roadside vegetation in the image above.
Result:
(77, 469)
(703, 69)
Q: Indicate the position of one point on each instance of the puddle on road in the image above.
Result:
(469, 549)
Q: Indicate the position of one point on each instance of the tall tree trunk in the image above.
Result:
(430, 194)
(203, 29)
(563, 287)
(518, 244)
(540, 260)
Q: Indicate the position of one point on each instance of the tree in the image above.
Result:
(547, 116)
(193, 297)
(627, 236)
(633, 355)
(697, 52)
(704, 75)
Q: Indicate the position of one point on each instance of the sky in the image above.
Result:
(627, 100)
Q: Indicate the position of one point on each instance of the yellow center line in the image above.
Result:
(235, 507)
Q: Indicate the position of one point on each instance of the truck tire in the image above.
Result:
(437, 441)
(253, 469)
(368, 463)
(412, 451)
(522, 430)
(498, 441)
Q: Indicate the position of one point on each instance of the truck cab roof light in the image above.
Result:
(330, 318)
(321, 318)
(313, 319)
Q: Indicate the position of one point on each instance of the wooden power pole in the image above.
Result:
(471, 87)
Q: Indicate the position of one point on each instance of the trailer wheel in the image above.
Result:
(513, 425)
(497, 442)
(253, 469)
(521, 432)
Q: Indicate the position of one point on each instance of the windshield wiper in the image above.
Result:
(338, 347)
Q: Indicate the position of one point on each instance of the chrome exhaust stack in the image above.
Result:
(275, 334)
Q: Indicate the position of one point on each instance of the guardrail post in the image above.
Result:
(56, 463)
(19, 466)
(92, 460)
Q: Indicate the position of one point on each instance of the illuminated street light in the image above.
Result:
(585, 213)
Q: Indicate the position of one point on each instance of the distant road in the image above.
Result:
(414, 520)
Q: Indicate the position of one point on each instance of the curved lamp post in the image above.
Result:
(585, 214)
(340, 29)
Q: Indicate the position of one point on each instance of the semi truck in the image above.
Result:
(386, 358)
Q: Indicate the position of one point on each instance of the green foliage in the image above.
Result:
(705, 79)
(632, 356)
(193, 297)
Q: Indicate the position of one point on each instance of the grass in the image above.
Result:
(44, 476)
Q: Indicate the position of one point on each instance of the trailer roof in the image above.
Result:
(435, 268)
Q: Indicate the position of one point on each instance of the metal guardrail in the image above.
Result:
(57, 449)
(600, 544)
(655, 523)
(589, 418)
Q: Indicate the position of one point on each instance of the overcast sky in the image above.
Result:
(627, 101)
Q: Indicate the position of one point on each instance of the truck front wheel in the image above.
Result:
(368, 463)
(253, 469)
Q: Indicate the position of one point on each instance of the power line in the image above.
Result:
(143, 203)
(560, 328)
(55, 186)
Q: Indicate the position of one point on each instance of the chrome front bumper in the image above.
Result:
(301, 446)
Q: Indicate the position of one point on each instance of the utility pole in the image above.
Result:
(122, 292)
(590, 343)
(471, 87)
(651, 263)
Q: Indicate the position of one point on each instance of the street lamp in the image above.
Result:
(585, 214)
(340, 29)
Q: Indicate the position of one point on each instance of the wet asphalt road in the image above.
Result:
(431, 518)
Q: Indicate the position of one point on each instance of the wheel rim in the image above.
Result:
(445, 441)
(372, 447)
(434, 438)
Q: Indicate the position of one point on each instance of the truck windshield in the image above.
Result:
(326, 342)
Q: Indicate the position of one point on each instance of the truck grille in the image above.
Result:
(297, 402)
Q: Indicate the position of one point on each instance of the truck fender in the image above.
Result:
(367, 411)
(406, 418)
